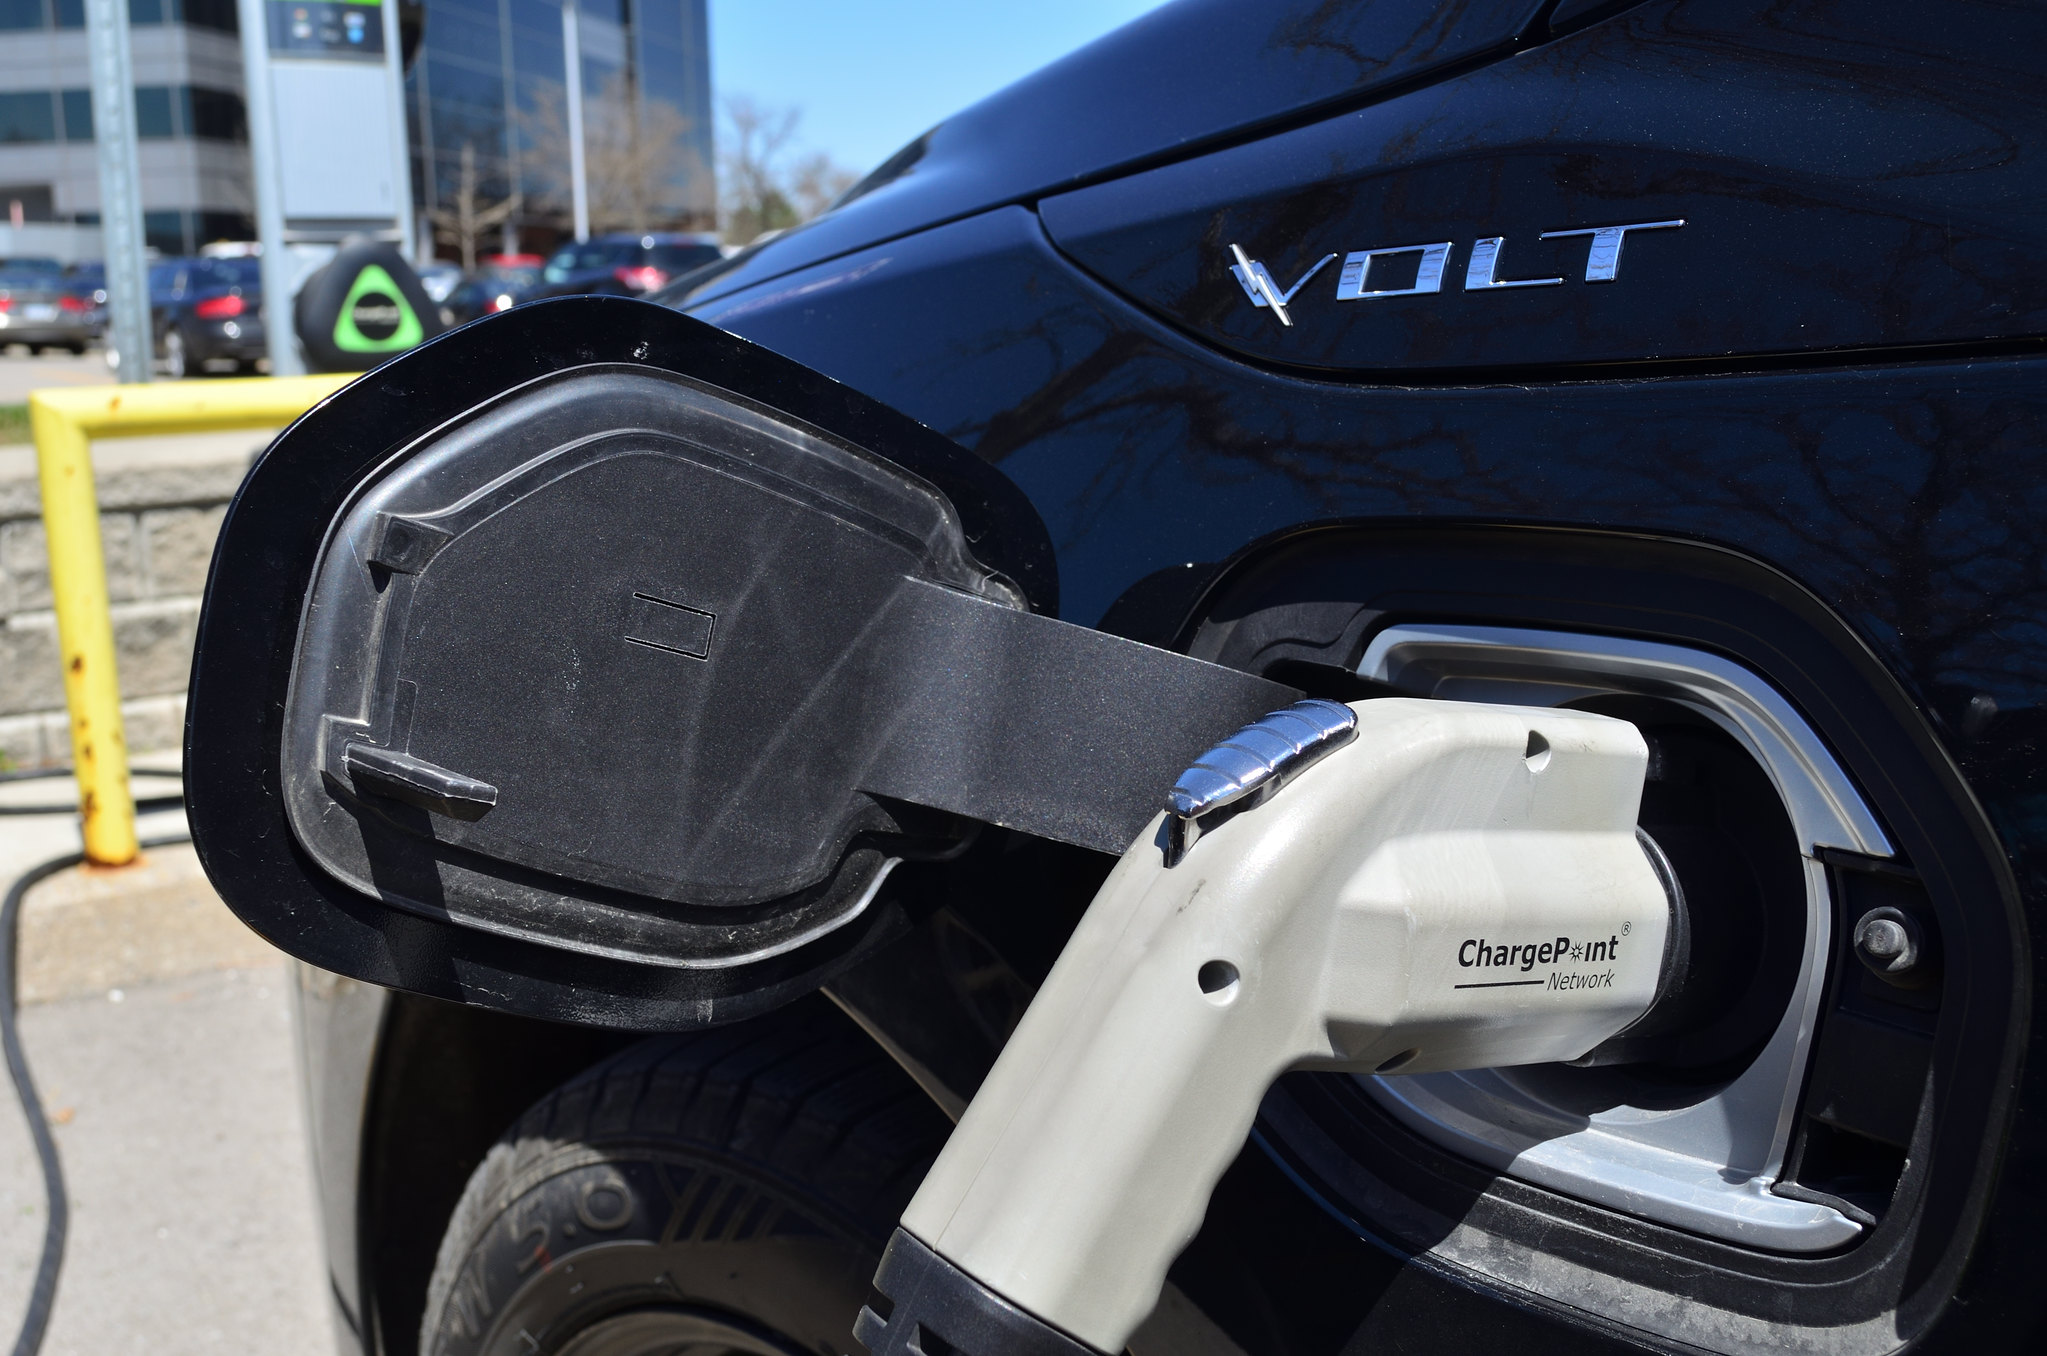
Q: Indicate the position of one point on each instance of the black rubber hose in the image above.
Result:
(42, 1297)
(36, 774)
(143, 805)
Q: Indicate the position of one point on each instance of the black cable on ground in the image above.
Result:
(143, 806)
(43, 1295)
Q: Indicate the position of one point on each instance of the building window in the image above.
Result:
(226, 226)
(215, 14)
(165, 232)
(28, 117)
(215, 114)
(218, 15)
(163, 112)
(153, 121)
(77, 105)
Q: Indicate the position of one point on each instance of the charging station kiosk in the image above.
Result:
(328, 141)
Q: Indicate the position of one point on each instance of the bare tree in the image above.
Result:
(761, 189)
(467, 221)
(637, 156)
(818, 181)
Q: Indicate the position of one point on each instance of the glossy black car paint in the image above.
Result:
(1183, 78)
(1840, 382)
(1839, 189)
(1844, 394)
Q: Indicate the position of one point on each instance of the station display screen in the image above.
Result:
(326, 28)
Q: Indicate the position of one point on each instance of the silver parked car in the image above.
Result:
(35, 309)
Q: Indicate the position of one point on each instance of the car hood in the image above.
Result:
(1185, 78)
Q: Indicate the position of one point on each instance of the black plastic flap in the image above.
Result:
(618, 686)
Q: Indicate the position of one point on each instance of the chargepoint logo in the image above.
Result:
(1478, 953)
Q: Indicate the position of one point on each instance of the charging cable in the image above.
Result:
(42, 1297)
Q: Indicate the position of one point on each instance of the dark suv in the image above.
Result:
(622, 265)
(652, 723)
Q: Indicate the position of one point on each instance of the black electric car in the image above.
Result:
(1677, 360)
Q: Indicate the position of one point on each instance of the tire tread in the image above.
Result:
(801, 1101)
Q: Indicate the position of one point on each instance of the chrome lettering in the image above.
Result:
(1258, 285)
(1603, 261)
(1357, 268)
(1481, 272)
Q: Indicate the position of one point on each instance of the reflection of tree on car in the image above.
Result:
(623, 265)
(207, 312)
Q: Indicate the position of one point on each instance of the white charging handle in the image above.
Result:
(1456, 886)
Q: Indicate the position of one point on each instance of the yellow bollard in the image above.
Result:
(85, 635)
(63, 423)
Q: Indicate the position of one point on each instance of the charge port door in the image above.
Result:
(593, 663)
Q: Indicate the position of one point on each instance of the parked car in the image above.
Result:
(36, 310)
(439, 278)
(1678, 361)
(88, 282)
(623, 265)
(207, 313)
(499, 284)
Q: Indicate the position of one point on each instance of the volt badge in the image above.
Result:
(1482, 269)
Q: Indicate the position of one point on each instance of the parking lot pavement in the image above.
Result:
(21, 373)
(160, 1036)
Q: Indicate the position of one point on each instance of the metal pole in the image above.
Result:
(401, 153)
(113, 123)
(264, 169)
(572, 63)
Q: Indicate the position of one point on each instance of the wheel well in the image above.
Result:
(447, 1081)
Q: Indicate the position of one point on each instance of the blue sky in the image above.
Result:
(871, 74)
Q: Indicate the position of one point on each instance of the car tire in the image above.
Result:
(75, 350)
(718, 1192)
(176, 361)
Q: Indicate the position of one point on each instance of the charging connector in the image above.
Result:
(1400, 885)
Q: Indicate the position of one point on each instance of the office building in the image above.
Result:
(490, 76)
(190, 124)
(486, 75)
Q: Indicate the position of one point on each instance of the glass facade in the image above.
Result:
(489, 76)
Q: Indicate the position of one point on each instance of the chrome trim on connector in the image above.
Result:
(1708, 1166)
(1254, 760)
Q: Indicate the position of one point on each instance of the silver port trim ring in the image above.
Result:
(1709, 1166)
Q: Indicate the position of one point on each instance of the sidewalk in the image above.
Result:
(159, 1031)
(20, 373)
